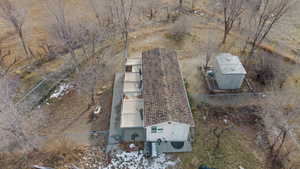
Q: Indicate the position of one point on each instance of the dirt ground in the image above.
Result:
(66, 115)
(237, 149)
(69, 121)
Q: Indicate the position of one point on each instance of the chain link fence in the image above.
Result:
(43, 88)
(228, 99)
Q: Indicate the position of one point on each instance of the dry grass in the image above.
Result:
(236, 148)
(55, 154)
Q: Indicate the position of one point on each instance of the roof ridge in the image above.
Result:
(165, 89)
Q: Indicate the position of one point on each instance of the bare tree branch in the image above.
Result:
(16, 18)
(263, 19)
(232, 10)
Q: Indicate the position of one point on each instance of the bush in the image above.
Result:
(265, 75)
(179, 30)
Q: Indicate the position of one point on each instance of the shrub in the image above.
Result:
(179, 30)
(265, 74)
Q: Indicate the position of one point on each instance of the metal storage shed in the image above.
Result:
(230, 72)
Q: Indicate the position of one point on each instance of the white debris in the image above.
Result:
(131, 146)
(62, 90)
(136, 160)
(98, 110)
(40, 167)
(225, 121)
(241, 167)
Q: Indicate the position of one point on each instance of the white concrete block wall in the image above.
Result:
(168, 131)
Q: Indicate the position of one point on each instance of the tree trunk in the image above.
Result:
(180, 3)
(218, 143)
(224, 37)
(92, 97)
(168, 14)
(252, 50)
(75, 62)
(20, 32)
(93, 45)
(126, 45)
(151, 13)
(193, 5)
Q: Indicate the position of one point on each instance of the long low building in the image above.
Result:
(155, 106)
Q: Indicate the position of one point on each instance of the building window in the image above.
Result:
(128, 68)
(159, 130)
(153, 129)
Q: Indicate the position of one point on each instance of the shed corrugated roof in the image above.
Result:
(164, 93)
(230, 64)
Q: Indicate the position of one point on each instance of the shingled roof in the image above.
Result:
(164, 93)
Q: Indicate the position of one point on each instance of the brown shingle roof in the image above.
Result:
(164, 93)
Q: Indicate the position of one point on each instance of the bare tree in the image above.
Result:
(90, 75)
(208, 57)
(12, 129)
(266, 14)
(65, 32)
(152, 6)
(278, 109)
(232, 10)
(123, 10)
(210, 48)
(103, 11)
(89, 35)
(219, 132)
(180, 29)
(193, 5)
(180, 3)
(148, 8)
(16, 18)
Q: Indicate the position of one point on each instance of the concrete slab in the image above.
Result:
(115, 131)
(136, 61)
(132, 77)
(132, 86)
(166, 147)
(131, 115)
(139, 132)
